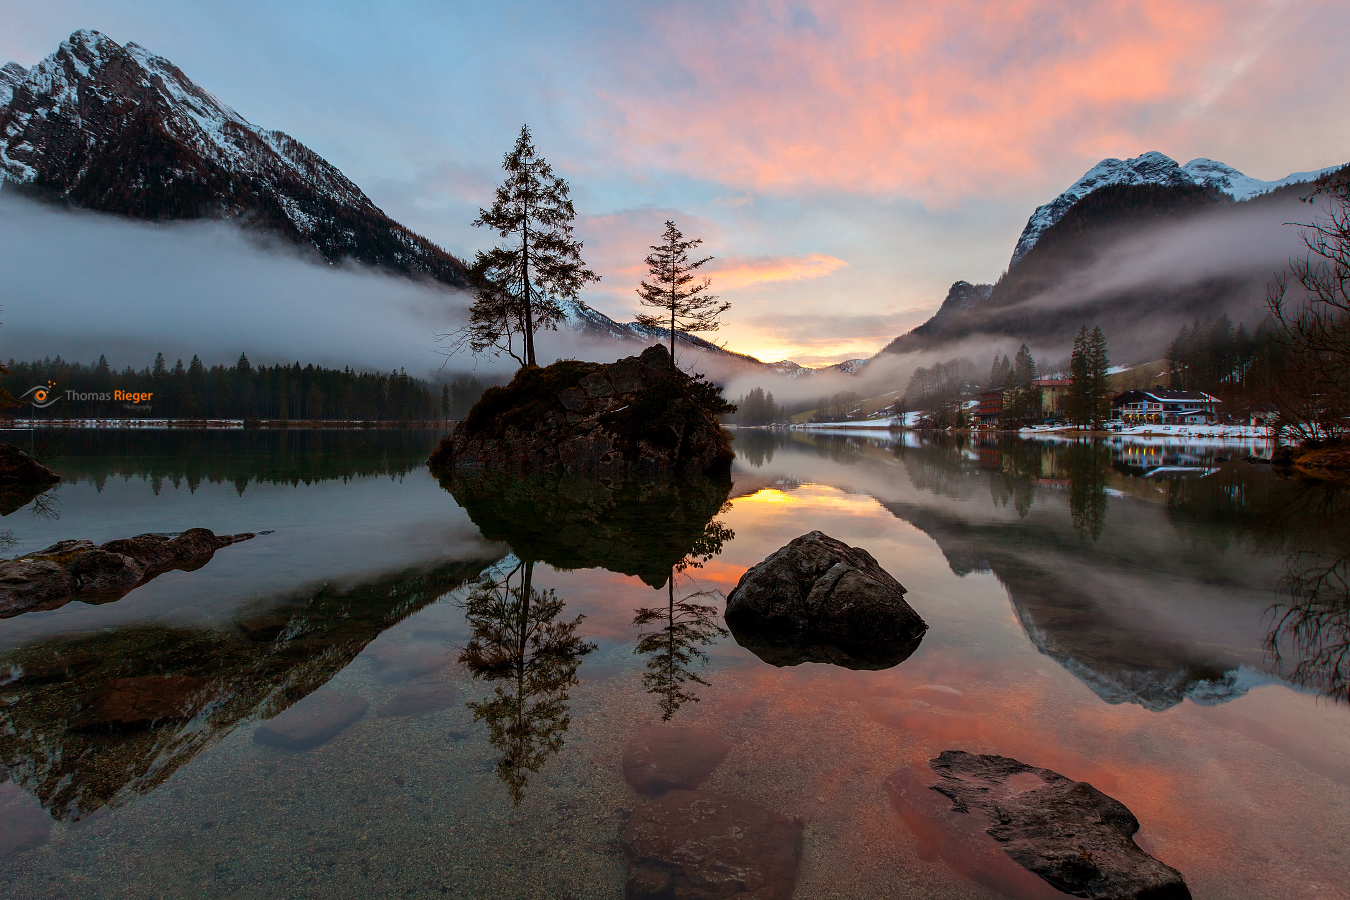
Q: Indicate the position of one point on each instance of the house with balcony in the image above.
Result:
(1156, 406)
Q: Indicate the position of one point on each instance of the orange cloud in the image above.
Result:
(927, 99)
(740, 272)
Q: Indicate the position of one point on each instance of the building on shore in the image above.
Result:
(1156, 406)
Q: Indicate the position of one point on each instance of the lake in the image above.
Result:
(1164, 620)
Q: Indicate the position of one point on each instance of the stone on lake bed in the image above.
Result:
(1069, 833)
(418, 700)
(699, 846)
(663, 758)
(820, 600)
(313, 721)
(401, 662)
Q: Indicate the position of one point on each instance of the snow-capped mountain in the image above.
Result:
(1151, 168)
(117, 129)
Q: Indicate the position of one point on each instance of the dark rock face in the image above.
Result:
(664, 758)
(17, 467)
(1069, 833)
(77, 570)
(314, 721)
(124, 703)
(639, 416)
(698, 846)
(820, 600)
(418, 700)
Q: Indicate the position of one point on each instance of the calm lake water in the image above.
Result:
(1165, 621)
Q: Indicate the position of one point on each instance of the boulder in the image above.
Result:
(663, 758)
(698, 846)
(98, 570)
(32, 584)
(129, 703)
(313, 721)
(1069, 833)
(959, 841)
(17, 467)
(418, 700)
(77, 570)
(820, 600)
(639, 415)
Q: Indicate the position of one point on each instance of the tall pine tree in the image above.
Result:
(522, 281)
(673, 289)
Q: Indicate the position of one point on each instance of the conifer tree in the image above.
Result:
(1077, 402)
(521, 282)
(1098, 364)
(684, 305)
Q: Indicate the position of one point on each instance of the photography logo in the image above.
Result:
(41, 396)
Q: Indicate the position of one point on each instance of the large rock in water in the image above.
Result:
(1075, 837)
(820, 600)
(639, 415)
(698, 846)
(77, 570)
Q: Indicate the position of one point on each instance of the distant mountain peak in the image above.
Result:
(118, 129)
(1150, 168)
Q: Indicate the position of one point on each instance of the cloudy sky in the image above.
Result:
(843, 161)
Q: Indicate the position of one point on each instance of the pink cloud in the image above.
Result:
(932, 100)
(734, 273)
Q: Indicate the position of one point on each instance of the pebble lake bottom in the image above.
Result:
(1162, 621)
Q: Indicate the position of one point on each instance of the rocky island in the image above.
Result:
(637, 416)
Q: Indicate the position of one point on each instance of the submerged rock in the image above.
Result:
(77, 570)
(959, 841)
(698, 846)
(418, 700)
(663, 758)
(639, 415)
(1069, 833)
(820, 600)
(313, 721)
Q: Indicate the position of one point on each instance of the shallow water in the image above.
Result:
(1161, 620)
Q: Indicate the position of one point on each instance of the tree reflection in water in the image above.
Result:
(1088, 464)
(685, 627)
(1315, 624)
(532, 659)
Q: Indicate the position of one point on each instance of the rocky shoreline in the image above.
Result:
(78, 570)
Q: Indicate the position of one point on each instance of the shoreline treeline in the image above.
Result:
(241, 391)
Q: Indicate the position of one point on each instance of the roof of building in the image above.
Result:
(1053, 382)
(1167, 396)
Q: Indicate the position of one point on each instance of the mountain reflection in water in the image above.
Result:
(1156, 585)
(93, 721)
